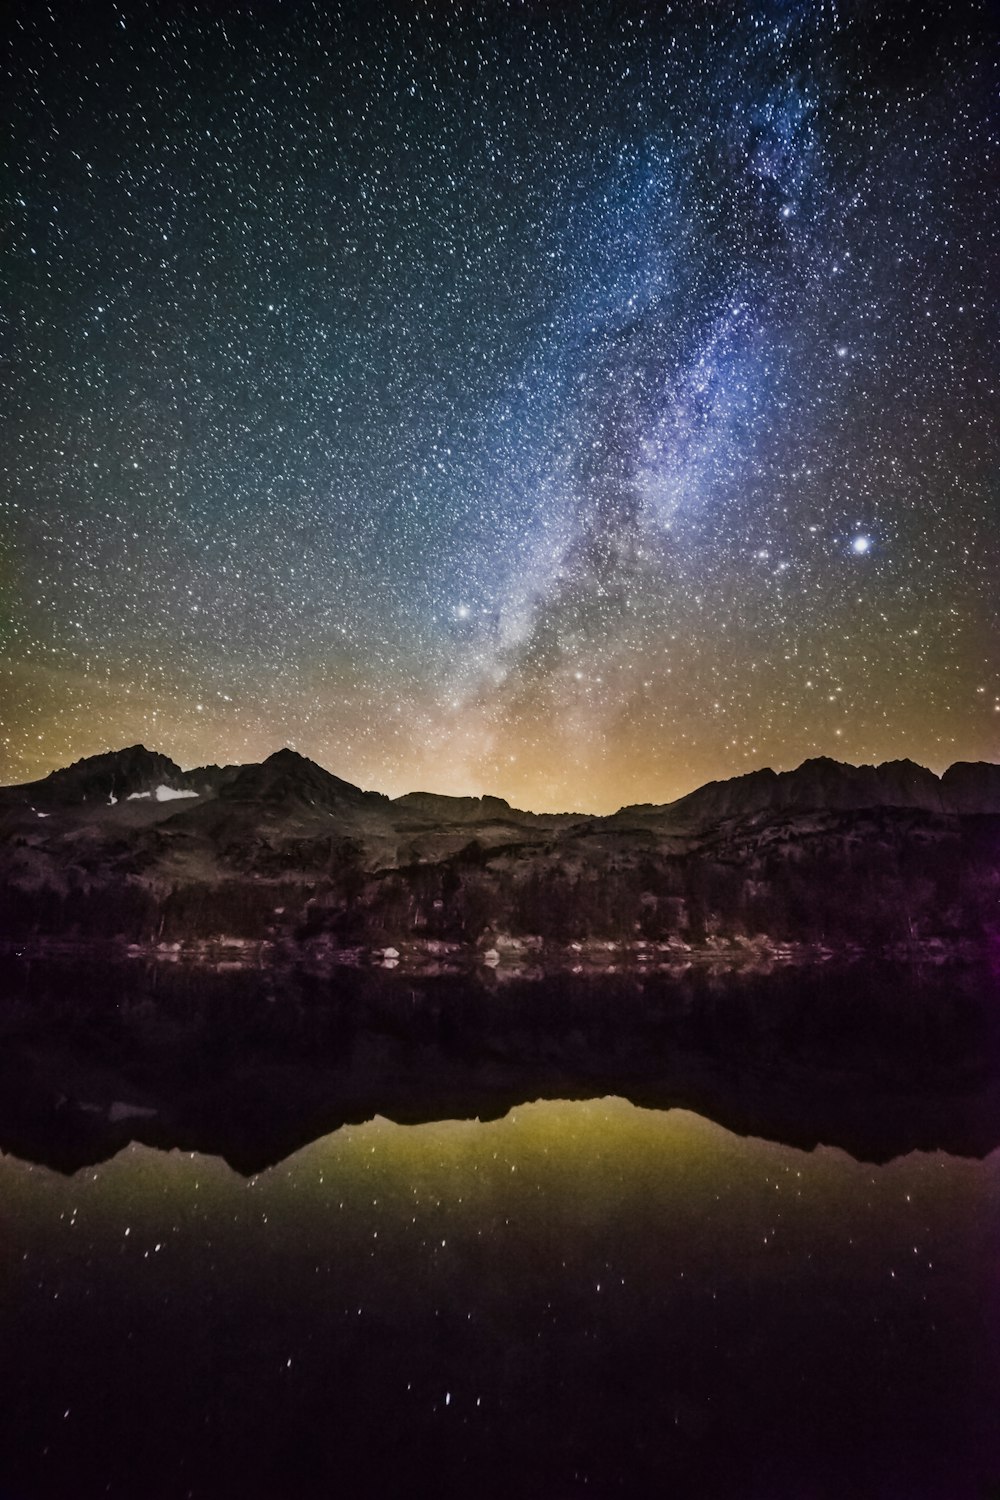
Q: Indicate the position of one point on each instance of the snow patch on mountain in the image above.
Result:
(161, 794)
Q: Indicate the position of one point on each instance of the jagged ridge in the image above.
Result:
(287, 852)
(819, 783)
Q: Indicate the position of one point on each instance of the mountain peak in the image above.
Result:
(287, 756)
(110, 776)
(288, 777)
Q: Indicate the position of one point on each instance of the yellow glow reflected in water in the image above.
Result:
(594, 1268)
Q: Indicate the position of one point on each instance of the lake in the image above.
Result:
(581, 1296)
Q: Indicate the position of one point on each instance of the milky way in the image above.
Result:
(569, 402)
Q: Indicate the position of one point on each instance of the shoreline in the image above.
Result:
(513, 957)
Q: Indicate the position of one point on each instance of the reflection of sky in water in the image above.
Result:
(576, 1291)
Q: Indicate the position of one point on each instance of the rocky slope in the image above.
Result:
(128, 845)
(828, 785)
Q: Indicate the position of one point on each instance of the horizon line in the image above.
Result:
(481, 796)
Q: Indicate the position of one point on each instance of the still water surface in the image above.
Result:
(578, 1299)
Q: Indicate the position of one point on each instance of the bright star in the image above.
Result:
(861, 544)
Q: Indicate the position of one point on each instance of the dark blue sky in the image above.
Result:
(574, 403)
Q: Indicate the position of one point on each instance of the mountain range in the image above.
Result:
(819, 783)
(129, 845)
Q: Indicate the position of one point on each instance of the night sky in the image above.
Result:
(571, 402)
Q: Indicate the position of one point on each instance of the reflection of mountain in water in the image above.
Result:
(252, 1065)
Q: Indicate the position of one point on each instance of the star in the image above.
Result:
(477, 406)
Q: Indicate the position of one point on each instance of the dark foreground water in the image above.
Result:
(577, 1298)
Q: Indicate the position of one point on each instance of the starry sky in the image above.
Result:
(569, 402)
